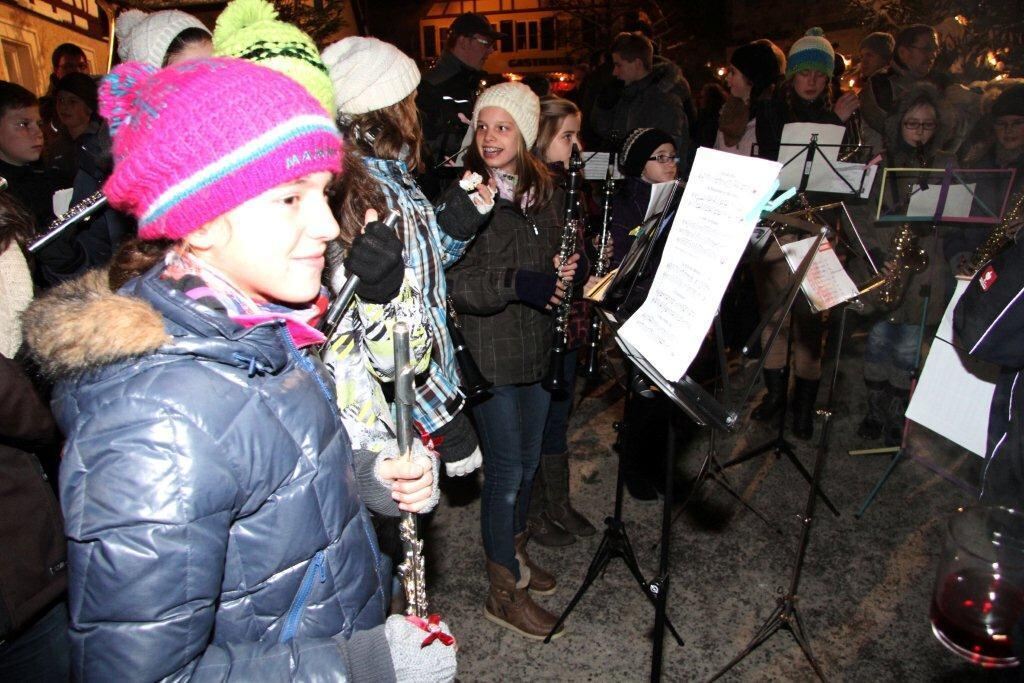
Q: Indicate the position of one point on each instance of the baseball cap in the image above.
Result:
(472, 23)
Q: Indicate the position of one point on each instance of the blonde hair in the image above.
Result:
(553, 111)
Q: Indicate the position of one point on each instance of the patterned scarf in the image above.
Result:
(202, 283)
(507, 184)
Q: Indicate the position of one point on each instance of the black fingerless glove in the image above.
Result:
(535, 289)
(376, 257)
(457, 215)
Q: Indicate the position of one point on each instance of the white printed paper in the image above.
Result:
(596, 166)
(718, 211)
(827, 284)
(660, 193)
(953, 395)
(859, 176)
(924, 203)
(793, 150)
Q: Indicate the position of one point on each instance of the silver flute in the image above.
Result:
(76, 213)
(412, 569)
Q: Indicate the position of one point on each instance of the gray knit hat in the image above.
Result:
(519, 101)
(369, 74)
(145, 37)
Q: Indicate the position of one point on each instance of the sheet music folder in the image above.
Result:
(694, 400)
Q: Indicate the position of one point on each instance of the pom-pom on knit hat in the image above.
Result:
(638, 147)
(369, 74)
(198, 139)
(519, 101)
(145, 37)
(250, 29)
(813, 52)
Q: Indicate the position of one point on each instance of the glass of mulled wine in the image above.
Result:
(979, 589)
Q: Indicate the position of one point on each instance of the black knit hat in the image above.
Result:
(756, 61)
(1009, 102)
(82, 85)
(638, 147)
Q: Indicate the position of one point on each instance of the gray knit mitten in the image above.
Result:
(414, 661)
(420, 455)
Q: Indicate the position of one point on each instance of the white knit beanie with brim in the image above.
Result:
(519, 101)
(145, 37)
(369, 74)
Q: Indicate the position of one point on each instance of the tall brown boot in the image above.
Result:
(538, 580)
(509, 604)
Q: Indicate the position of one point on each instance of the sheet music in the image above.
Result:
(659, 196)
(953, 395)
(793, 151)
(824, 179)
(827, 284)
(924, 203)
(718, 211)
(595, 166)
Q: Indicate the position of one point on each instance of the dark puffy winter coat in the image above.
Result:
(655, 101)
(33, 570)
(989, 324)
(510, 340)
(214, 530)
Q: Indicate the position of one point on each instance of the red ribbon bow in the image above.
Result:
(432, 625)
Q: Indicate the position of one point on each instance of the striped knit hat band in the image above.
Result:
(813, 52)
(196, 140)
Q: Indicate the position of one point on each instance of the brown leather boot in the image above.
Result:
(509, 604)
(538, 580)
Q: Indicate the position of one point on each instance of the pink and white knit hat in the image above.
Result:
(196, 140)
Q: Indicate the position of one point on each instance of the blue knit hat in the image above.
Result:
(813, 52)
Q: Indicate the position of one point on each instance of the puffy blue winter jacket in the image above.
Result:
(214, 530)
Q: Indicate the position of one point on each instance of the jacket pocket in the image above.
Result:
(313, 571)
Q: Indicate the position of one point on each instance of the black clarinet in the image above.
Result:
(601, 268)
(555, 381)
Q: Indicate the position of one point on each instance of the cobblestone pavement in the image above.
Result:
(864, 594)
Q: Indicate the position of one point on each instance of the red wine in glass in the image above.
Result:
(974, 613)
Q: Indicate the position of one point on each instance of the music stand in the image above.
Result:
(780, 445)
(704, 410)
(785, 615)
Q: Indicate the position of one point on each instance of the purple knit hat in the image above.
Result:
(197, 139)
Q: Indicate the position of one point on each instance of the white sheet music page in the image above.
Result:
(954, 393)
(827, 283)
(719, 208)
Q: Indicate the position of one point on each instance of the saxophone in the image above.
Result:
(887, 289)
(555, 380)
(1000, 237)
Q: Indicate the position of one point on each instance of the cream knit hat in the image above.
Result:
(369, 74)
(519, 101)
(145, 37)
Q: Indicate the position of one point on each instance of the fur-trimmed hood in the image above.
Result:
(83, 325)
(901, 154)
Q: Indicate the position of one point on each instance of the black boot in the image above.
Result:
(805, 395)
(559, 508)
(877, 411)
(895, 416)
(543, 529)
(772, 403)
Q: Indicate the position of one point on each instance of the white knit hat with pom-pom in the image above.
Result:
(145, 37)
(369, 74)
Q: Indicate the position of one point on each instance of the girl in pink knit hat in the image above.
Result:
(215, 517)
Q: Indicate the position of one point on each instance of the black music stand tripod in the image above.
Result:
(780, 445)
(615, 543)
(785, 615)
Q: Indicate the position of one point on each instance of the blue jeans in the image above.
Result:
(41, 653)
(890, 353)
(510, 424)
